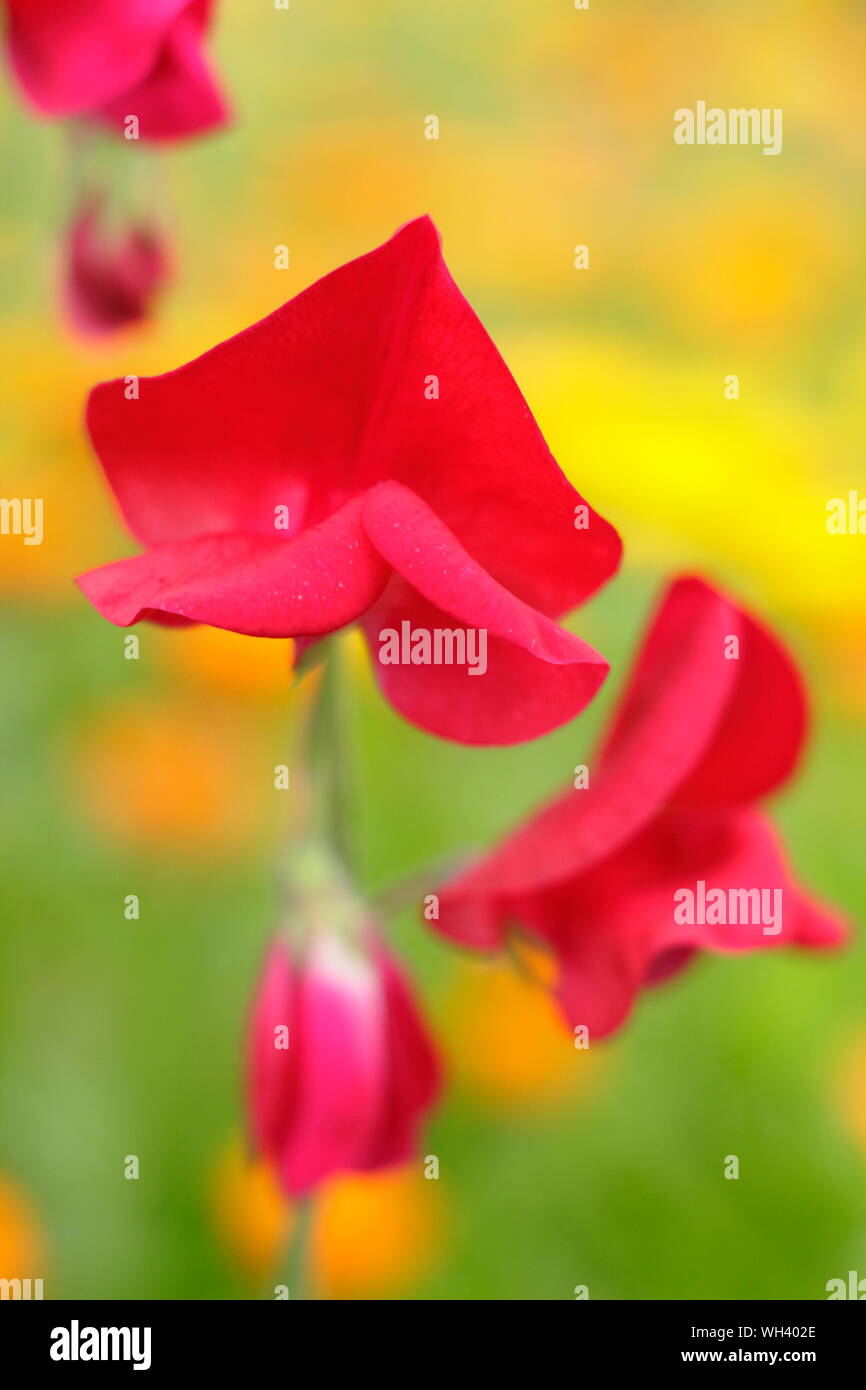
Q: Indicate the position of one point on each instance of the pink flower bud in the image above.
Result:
(110, 277)
(341, 1066)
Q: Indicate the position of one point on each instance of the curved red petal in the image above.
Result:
(521, 676)
(316, 583)
(667, 716)
(520, 696)
(761, 734)
(622, 925)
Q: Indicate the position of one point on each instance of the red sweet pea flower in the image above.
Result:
(399, 508)
(110, 59)
(110, 278)
(341, 1068)
(662, 854)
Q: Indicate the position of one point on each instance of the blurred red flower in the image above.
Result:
(341, 1067)
(112, 59)
(608, 876)
(110, 277)
(306, 474)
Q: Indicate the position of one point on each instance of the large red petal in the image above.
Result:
(276, 416)
(326, 397)
(450, 422)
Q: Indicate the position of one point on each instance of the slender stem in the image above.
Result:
(411, 889)
(315, 883)
(521, 964)
(331, 758)
(298, 1280)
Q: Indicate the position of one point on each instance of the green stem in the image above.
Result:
(521, 965)
(331, 759)
(298, 1268)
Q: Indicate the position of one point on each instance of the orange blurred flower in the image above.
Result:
(376, 1233)
(720, 268)
(506, 1041)
(841, 636)
(21, 1245)
(372, 1234)
(173, 775)
(253, 1220)
(239, 665)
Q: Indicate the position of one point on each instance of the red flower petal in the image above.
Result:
(475, 454)
(537, 675)
(73, 57)
(114, 58)
(595, 873)
(759, 739)
(319, 406)
(179, 97)
(316, 583)
(667, 717)
(613, 929)
(281, 414)
(320, 399)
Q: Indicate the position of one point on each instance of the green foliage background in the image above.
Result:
(122, 1037)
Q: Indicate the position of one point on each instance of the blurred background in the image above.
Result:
(155, 777)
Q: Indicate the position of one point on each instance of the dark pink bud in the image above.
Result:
(341, 1067)
(110, 276)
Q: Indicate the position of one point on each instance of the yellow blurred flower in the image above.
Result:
(736, 489)
(240, 665)
(252, 667)
(765, 263)
(507, 1043)
(850, 1089)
